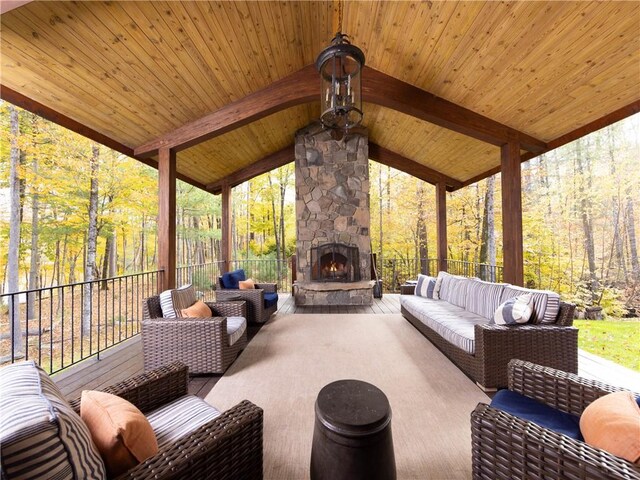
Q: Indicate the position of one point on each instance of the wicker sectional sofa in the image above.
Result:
(460, 324)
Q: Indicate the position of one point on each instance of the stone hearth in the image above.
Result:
(332, 207)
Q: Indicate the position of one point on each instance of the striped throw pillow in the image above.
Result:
(515, 310)
(172, 302)
(425, 286)
(448, 285)
(41, 436)
(546, 304)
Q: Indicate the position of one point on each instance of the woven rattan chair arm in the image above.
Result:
(507, 447)
(152, 389)
(254, 294)
(229, 446)
(565, 391)
(229, 309)
(565, 315)
(268, 287)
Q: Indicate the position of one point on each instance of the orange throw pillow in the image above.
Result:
(612, 423)
(121, 432)
(197, 310)
(247, 284)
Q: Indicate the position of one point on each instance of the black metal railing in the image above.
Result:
(267, 271)
(63, 325)
(203, 276)
(395, 271)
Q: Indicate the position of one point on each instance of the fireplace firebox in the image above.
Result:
(335, 262)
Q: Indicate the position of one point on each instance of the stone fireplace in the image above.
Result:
(332, 210)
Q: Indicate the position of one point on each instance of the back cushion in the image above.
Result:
(174, 301)
(546, 304)
(483, 298)
(449, 287)
(458, 291)
(37, 419)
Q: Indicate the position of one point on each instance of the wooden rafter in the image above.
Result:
(580, 132)
(397, 161)
(268, 163)
(377, 87)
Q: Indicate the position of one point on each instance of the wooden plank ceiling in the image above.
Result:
(137, 71)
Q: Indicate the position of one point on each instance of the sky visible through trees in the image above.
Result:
(85, 212)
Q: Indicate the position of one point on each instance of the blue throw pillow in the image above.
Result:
(537, 412)
(231, 280)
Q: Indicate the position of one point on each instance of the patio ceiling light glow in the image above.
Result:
(340, 66)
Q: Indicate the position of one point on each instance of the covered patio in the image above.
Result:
(214, 93)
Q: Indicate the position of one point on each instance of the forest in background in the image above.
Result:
(85, 212)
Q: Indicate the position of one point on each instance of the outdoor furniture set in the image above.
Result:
(458, 315)
(551, 424)
(148, 427)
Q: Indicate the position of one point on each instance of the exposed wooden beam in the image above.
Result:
(579, 132)
(397, 161)
(299, 87)
(47, 113)
(268, 163)
(167, 216)
(377, 87)
(513, 270)
(441, 225)
(390, 92)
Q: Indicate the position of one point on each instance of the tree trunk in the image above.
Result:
(34, 268)
(585, 209)
(107, 260)
(421, 230)
(14, 232)
(92, 241)
(631, 235)
(488, 242)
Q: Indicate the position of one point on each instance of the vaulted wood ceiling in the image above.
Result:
(446, 82)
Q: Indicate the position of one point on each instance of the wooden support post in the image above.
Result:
(225, 239)
(167, 217)
(441, 221)
(511, 178)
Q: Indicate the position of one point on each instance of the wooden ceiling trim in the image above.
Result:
(47, 113)
(270, 162)
(580, 132)
(397, 161)
(295, 89)
(390, 92)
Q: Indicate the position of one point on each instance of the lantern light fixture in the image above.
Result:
(340, 66)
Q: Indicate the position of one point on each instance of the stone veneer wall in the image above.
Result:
(332, 195)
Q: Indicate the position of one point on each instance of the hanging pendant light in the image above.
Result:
(340, 66)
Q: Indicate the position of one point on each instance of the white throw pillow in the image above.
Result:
(425, 286)
(515, 310)
(438, 285)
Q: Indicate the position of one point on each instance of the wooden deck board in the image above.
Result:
(125, 360)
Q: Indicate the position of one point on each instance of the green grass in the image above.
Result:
(617, 340)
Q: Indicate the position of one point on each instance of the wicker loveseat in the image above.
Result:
(205, 345)
(508, 447)
(41, 435)
(459, 324)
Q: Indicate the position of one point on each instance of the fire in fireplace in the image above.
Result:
(335, 262)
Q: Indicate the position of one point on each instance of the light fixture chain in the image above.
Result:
(339, 16)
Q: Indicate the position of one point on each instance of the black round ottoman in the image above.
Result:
(352, 435)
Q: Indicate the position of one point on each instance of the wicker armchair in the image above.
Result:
(506, 447)
(203, 344)
(230, 446)
(256, 311)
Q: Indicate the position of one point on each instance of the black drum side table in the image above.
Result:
(352, 435)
